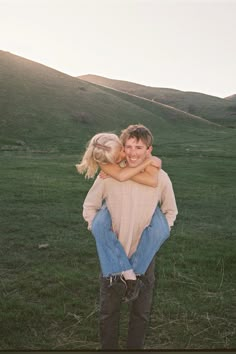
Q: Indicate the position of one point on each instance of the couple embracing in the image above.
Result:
(130, 210)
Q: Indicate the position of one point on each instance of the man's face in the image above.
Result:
(136, 152)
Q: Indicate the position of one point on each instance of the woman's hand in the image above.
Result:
(103, 175)
(156, 162)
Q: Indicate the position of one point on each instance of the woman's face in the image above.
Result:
(120, 155)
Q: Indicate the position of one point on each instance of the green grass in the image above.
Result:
(49, 296)
(44, 291)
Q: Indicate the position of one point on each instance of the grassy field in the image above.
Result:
(49, 268)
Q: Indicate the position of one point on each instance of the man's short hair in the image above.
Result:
(139, 132)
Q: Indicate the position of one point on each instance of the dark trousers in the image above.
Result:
(110, 306)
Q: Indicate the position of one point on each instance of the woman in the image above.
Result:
(105, 150)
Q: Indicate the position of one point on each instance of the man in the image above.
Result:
(131, 206)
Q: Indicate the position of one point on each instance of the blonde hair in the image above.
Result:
(101, 149)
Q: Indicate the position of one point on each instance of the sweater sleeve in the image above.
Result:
(168, 203)
(93, 201)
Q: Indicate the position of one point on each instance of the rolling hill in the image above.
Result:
(231, 98)
(215, 109)
(44, 109)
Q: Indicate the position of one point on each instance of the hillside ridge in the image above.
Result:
(219, 110)
(44, 109)
(158, 103)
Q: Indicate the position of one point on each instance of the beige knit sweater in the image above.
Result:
(131, 206)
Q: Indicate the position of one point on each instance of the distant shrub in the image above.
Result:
(82, 117)
(232, 109)
(192, 109)
(82, 88)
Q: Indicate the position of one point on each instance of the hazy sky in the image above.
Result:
(187, 45)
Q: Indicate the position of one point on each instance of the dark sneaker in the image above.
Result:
(133, 289)
(118, 284)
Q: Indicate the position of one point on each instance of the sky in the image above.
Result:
(189, 45)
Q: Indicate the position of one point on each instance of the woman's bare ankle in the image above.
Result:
(129, 274)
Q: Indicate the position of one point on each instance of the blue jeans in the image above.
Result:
(112, 257)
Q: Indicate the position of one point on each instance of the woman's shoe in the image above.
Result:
(133, 289)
